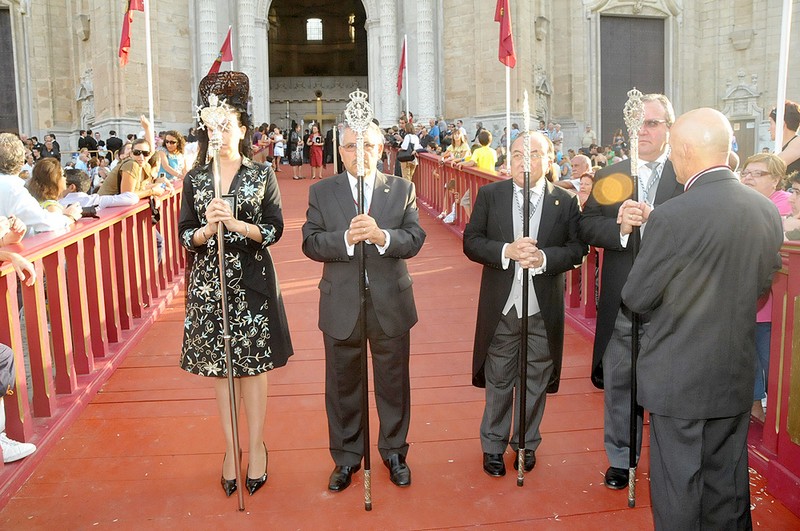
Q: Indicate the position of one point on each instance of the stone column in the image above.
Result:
(246, 26)
(374, 72)
(390, 60)
(259, 83)
(207, 34)
(426, 67)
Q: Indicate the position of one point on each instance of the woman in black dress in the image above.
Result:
(259, 330)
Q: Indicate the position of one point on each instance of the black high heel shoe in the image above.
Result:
(229, 485)
(254, 484)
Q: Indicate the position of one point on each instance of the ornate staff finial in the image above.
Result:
(215, 116)
(358, 115)
(526, 134)
(634, 112)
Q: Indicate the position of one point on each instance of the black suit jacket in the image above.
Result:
(113, 144)
(598, 227)
(490, 227)
(706, 256)
(330, 209)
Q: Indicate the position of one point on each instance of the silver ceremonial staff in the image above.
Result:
(358, 115)
(634, 119)
(522, 389)
(215, 117)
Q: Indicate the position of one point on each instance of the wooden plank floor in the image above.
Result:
(146, 452)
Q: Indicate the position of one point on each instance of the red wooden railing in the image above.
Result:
(99, 286)
(775, 445)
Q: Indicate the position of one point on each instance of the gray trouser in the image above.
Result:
(698, 473)
(502, 378)
(617, 395)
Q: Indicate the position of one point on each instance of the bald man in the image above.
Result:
(706, 257)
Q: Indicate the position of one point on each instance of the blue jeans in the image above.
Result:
(763, 331)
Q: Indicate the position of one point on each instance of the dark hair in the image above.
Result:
(78, 178)
(44, 181)
(485, 137)
(112, 133)
(791, 115)
(245, 144)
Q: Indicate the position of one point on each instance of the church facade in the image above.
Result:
(576, 58)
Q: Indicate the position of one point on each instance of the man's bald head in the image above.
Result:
(699, 140)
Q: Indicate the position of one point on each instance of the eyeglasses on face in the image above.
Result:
(350, 148)
(652, 124)
(754, 173)
(138, 152)
(170, 141)
(518, 155)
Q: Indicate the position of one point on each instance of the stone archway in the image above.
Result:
(311, 79)
(382, 48)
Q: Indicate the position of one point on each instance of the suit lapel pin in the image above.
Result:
(556, 202)
(385, 190)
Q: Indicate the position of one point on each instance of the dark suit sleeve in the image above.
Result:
(599, 229)
(406, 240)
(569, 254)
(321, 242)
(655, 266)
(478, 247)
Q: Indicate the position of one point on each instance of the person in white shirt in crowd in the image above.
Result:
(17, 201)
(76, 192)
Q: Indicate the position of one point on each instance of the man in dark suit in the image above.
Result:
(601, 226)
(391, 232)
(493, 237)
(113, 143)
(706, 257)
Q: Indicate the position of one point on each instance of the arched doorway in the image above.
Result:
(317, 56)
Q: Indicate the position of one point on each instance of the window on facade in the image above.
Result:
(351, 22)
(314, 29)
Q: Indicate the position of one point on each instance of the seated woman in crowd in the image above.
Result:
(585, 189)
(46, 185)
(765, 173)
(135, 175)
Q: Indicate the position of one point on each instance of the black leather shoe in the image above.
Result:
(616, 478)
(229, 485)
(341, 476)
(530, 460)
(253, 484)
(493, 465)
(399, 472)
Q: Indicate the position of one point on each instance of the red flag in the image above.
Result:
(225, 54)
(125, 40)
(506, 50)
(402, 67)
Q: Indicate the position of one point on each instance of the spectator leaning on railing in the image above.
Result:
(15, 200)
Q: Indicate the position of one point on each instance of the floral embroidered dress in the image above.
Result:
(260, 338)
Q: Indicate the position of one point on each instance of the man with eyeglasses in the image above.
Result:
(493, 238)
(609, 218)
(390, 231)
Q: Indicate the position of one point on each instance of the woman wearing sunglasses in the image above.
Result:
(135, 174)
(170, 157)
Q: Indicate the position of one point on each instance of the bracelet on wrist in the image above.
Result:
(246, 230)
